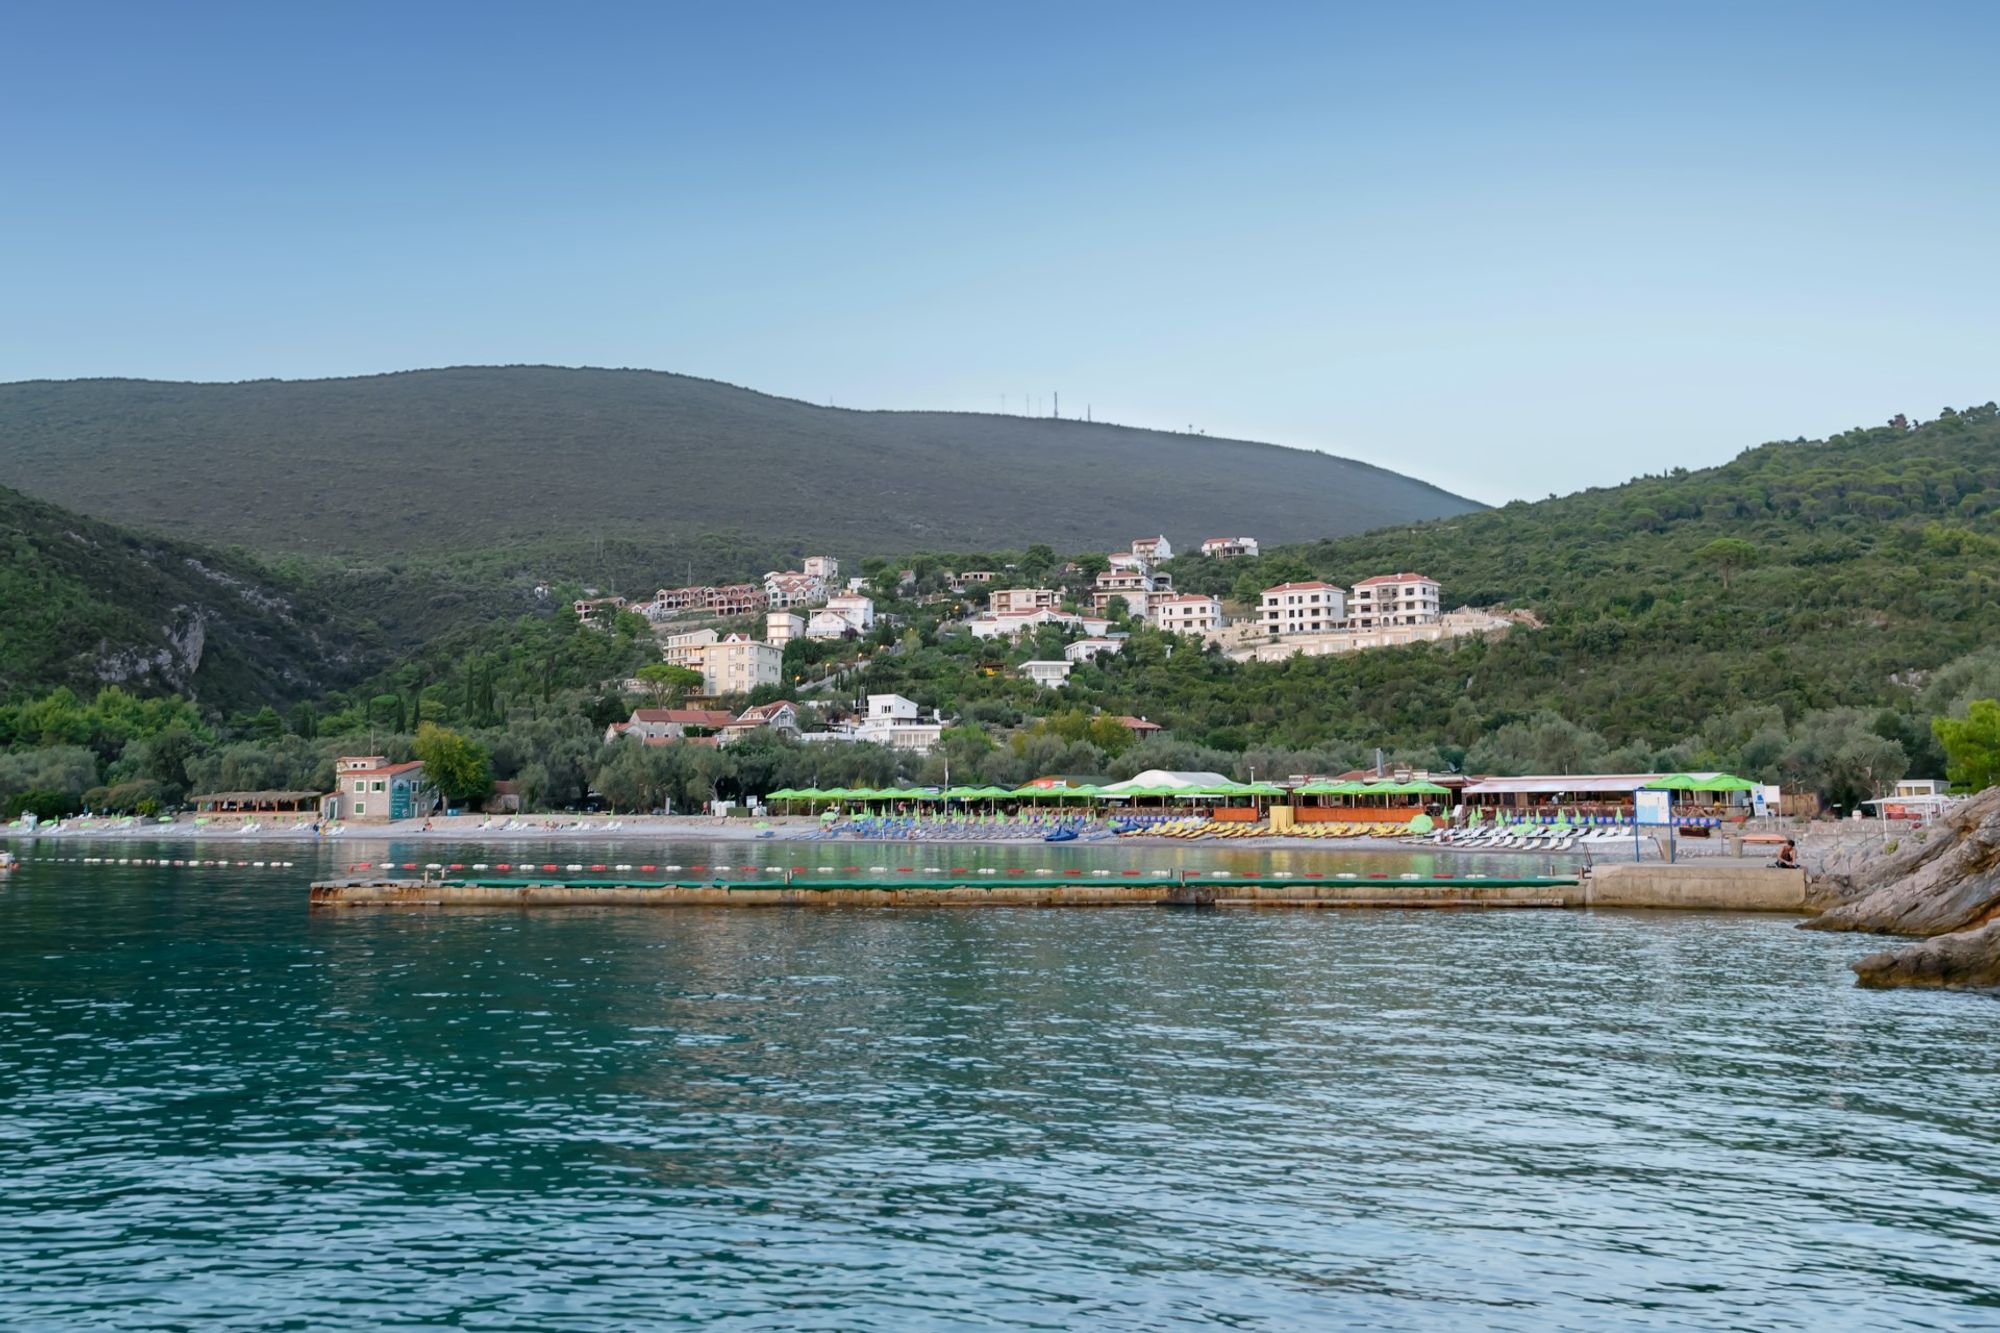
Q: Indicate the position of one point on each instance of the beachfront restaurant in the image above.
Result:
(1592, 797)
(217, 803)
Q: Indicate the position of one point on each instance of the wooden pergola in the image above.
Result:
(257, 802)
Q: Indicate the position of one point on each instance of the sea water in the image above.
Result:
(221, 1111)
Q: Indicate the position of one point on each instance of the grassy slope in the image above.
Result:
(553, 461)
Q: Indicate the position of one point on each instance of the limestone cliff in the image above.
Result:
(1947, 881)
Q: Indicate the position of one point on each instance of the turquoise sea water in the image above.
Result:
(220, 1111)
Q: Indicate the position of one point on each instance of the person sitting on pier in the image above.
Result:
(1788, 856)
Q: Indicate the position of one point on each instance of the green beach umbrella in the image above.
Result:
(1421, 788)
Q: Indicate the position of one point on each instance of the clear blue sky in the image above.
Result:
(1514, 249)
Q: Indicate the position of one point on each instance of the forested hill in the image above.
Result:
(1860, 572)
(85, 604)
(444, 461)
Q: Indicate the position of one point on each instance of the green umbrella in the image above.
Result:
(1263, 789)
(1421, 788)
(782, 794)
(964, 794)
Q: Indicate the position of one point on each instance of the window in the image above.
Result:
(377, 786)
(360, 786)
(360, 809)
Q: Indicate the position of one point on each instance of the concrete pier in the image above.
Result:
(1706, 887)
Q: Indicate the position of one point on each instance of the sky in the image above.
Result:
(1514, 249)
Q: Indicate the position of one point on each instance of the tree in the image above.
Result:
(456, 765)
(667, 684)
(1727, 554)
(1971, 744)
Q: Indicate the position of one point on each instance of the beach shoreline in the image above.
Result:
(637, 829)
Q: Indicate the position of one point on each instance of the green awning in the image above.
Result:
(1688, 782)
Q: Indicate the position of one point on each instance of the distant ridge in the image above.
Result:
(437, 462)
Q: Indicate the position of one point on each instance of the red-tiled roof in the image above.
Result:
(1299, 587)
(1395, 578)
(1138, 724)
(387, 770)
(686, 717)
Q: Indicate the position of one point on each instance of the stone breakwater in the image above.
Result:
(1701, 887)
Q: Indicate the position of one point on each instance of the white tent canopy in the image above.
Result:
(1161, 777)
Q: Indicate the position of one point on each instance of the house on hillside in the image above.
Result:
(781, 627)
(1019, 601)
(598, 611)
(1047, 674)
(1153, 549)
(668, 724)
(1085, 649)
(1229, 548)
(368, 789)
(891, 720)
(781, 717)
(1139, 726)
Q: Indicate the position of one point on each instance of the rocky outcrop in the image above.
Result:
(1948, 881)
(1965, 960)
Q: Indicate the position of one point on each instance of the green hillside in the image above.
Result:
(85, 604)
(629, 477)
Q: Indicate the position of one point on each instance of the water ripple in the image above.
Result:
(220, 1112)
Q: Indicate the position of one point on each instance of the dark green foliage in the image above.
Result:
(84, 603)
(630, 477)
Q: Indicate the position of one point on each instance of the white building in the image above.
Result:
(1228, 548)
(824, 568)
(891, 720)
(1185, 613)
(781, 627)
(1009, 626)
(1462, 623)
(1154, 549)
(737, 665)
(841, 617)
(1085, 649)
(1303, 608)
(1010, 601)
(688, 649)
(792, 588)
(1137, 587)
(1047, 674)
(860, 611)
(1394, 599)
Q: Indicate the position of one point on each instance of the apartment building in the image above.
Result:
(1303, 608)
(1185, 613)
(1393, 599)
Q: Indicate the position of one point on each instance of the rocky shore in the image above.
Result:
(1942, 883)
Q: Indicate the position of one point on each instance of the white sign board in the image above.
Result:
(1652, 807)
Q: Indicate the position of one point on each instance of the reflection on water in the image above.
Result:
(221, 1111)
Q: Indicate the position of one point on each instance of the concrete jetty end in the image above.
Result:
(1704, 886)
(1707, 887)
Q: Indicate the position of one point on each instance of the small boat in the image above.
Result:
(1060, 835)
